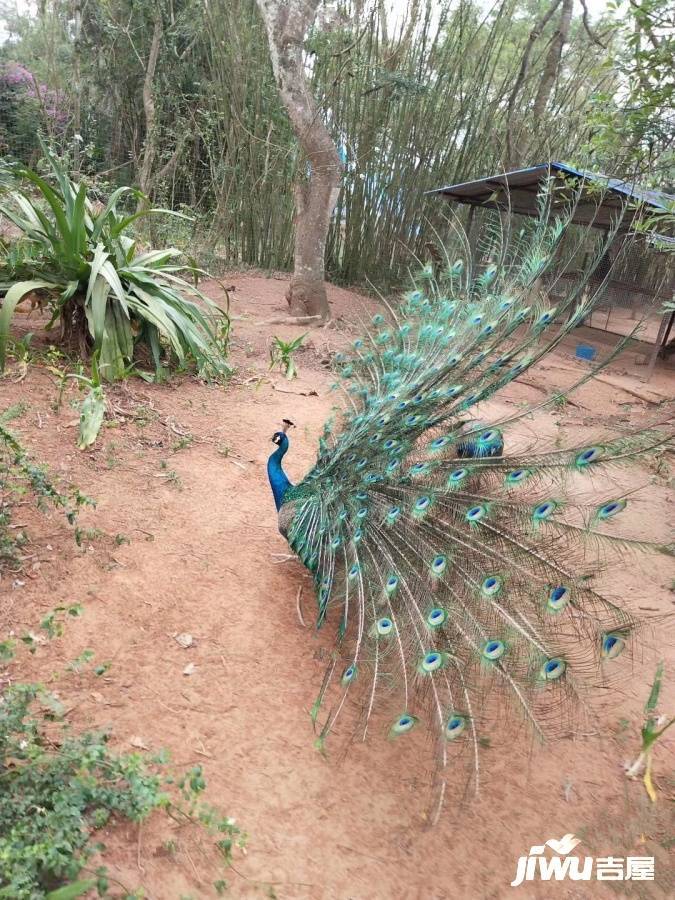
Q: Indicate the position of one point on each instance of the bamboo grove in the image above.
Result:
(177, 97)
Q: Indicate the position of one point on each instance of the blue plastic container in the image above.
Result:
(586, 351)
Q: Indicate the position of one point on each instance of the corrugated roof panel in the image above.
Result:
(523, 186)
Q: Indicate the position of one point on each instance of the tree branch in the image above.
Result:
(587, 27)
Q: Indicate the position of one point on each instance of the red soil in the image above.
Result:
(205, 557)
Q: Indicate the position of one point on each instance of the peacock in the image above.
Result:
(455, 560)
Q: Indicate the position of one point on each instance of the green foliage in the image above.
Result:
(92, 408)
(55, 795)
(19, 475)
(634, 121)
(107, 295)
(282, 355)
(411, 105)
(652, 730)
(57, 790)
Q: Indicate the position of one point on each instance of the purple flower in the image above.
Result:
(18, 79)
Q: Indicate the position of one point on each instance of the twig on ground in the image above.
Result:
(138, 849)
(297, 606)
(293, 320)
(310, 393)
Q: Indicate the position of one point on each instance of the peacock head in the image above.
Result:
(279, 437)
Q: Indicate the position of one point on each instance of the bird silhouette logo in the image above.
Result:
(565, 845)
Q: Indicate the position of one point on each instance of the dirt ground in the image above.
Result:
(184, 539)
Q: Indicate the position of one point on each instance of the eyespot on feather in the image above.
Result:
(431, 662)
(553, 669)
(436, 617)
(544, 510)
(492, 586)
(493, 650)
(402, 725)
(476, 513)
(557, 599)
(608, 510)
(612, 645)
(349, 675)
(587, 456)
(455, 726)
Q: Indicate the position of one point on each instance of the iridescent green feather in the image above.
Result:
(460, 586)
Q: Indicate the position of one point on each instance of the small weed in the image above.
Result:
(111, 458)
(223, 450)
(144, 415)
(171, 475)
(80, 662)
(87, 534)
(171, 847)
(52, 623)
(183, 442)
(282, 355)
(61, 376)
(121, 539)
(652, 730)
(13, 412)
(21, 348)
(19, 477)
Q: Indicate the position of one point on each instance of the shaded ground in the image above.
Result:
(184, 539)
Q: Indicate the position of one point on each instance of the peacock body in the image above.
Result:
(453, 560)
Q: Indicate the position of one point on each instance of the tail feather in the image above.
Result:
(459, 557)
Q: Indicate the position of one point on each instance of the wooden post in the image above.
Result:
(663, 328)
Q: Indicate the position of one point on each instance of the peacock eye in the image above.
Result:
(454, 727)
(493, 650)
(558, 598)
(552, 669)
(612, 645)
(402, 725)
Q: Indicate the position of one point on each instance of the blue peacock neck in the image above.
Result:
(277, 477)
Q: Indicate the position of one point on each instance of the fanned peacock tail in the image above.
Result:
(456, 572)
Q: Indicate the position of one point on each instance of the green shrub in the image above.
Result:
(20, 475)
(106, 295)
(58, 789)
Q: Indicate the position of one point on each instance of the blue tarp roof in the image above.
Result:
(518, 191)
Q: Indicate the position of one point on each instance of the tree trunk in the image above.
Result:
(77, 85)
(150, 144)
(513, 155)
(287, 23)
(552, 66)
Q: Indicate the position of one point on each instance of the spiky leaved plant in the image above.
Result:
(108, 297)
(282, 355)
